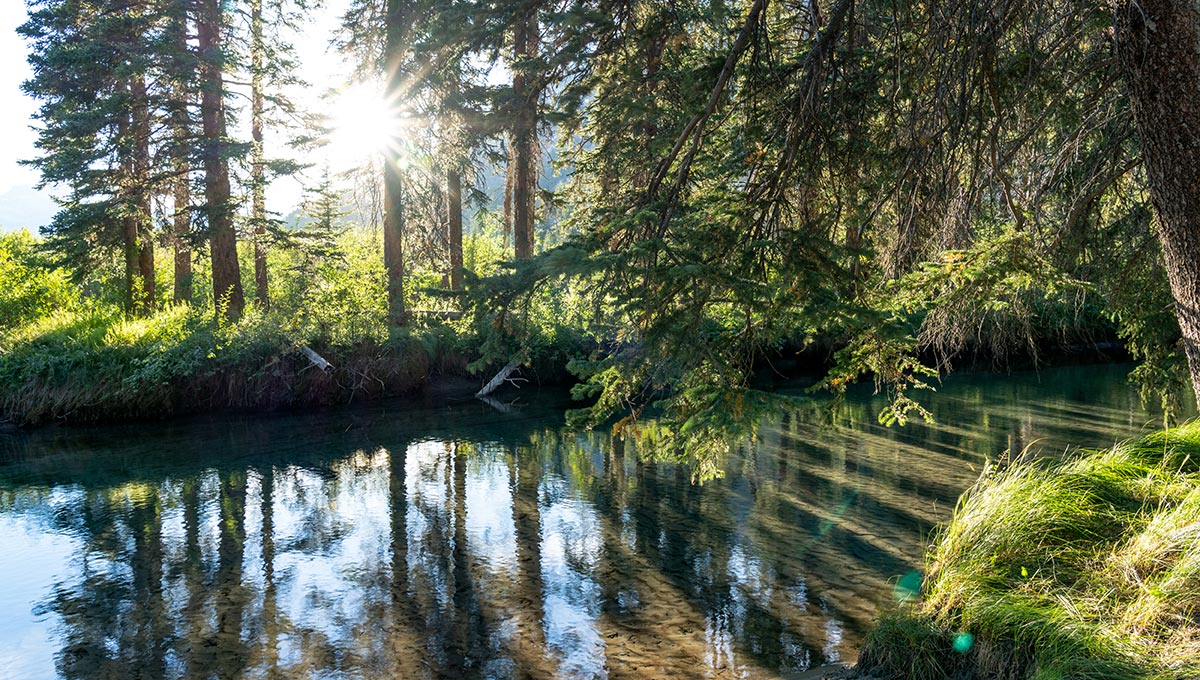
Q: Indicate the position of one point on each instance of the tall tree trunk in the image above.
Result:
(393, 238)
(181, 130)
(258, 178)
(524, 132)
(454, 197)
(182, 225)
(141, 173)
(129, 246)
(222, 240)
(129, 223)
(1158, 42)
(393, 180)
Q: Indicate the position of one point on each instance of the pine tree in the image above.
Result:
(179, 65)
(272, 69)
(399, 17)
(258, 178)
(219, 208)
(524, 153)
(90, 66)
(318, 237)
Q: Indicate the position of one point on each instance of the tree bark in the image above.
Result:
(129, 226)
(182, 219)
(393, 180)
(258, 204)
(454, 196)
(180, 123)
(1157, 44)
(226, 274)
(129, 246)
(144, 225)
(524, 132)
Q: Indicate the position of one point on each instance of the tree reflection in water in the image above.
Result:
(467, 543)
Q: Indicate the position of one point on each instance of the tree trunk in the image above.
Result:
(226, 275)
(393, 180)
(129, 246)
(524, 132)
(454, 196)
(180, 124)
(1157, 43)
(129, 226)
(141, 173)
(393, 237)
(182, 226)
(258, 205)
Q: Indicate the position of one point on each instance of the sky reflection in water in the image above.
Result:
(397, 542)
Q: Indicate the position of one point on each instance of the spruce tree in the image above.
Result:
(527, 85)
(90, 63)
(211, 27)
(272, 69)
(397, 30)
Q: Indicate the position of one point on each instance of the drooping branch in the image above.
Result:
(695, 128)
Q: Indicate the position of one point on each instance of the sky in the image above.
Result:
(21, 206)
(15, 107)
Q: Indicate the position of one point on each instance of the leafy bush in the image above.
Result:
(29, 287)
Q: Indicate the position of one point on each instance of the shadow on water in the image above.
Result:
(402, 542)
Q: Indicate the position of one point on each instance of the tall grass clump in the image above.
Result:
(1085, 568)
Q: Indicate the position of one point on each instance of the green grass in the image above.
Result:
(1086, 568)
(91, 363)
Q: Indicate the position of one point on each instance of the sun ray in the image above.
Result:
(363, 125)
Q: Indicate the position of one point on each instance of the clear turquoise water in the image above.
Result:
(454, 540)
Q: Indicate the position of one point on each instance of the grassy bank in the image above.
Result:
(1086, 568)
(68, 351)
(90, 365)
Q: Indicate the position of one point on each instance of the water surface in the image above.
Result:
(403, 541)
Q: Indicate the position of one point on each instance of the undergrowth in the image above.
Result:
(93, 363)
(1084, 568)
(69, 351)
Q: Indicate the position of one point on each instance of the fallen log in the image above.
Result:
(316, 359)
(495, 383)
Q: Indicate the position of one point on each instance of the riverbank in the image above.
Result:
(92, 365)
(87, 368)
(1084, 568)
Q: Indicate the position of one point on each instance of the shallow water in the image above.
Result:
(402, 541)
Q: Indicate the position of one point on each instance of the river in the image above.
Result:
(403, 540)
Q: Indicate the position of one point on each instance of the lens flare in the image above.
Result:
(362, 126)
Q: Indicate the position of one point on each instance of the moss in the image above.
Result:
(1088, 567)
